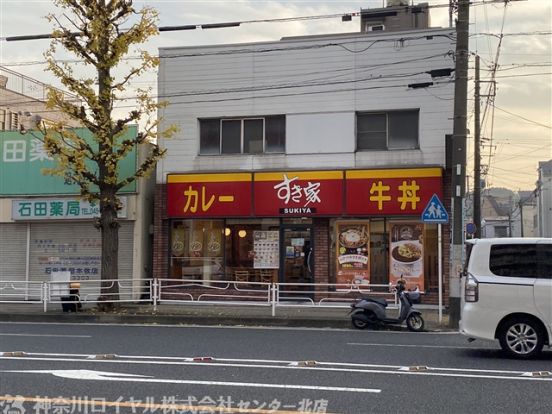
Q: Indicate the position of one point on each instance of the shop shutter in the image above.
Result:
(13, 247)
(76, 247)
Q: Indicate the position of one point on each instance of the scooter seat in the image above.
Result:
(379, 301)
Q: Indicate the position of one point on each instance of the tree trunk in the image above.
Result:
(109, 227)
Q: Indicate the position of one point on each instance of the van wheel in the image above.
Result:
(521, 337)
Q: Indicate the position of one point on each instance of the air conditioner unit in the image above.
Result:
(375, 28)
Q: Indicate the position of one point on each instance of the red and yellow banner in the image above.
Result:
(209, 195)
(391, 192)
(298, 193)
(397, 192)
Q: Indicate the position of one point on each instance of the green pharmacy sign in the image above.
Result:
(23, 157)
(59, 209)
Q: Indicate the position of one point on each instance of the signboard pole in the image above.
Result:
(440, 271)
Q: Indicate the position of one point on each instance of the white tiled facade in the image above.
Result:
(319, 84)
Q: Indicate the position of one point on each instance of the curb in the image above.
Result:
(213, 320)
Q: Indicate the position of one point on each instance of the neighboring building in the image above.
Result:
(313, 157)
(503, 211)
(397, 16)
(544, 199)
(22, 99)
(44, 227)
(497, 213)
(527, 206)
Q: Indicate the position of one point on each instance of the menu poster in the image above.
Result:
(353, 251)
(406, 254)
(266, 245)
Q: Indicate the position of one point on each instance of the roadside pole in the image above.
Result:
(440, 270)
(459, 159)
(436, 213)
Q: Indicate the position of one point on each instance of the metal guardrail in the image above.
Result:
(192, 292)
(21, 292)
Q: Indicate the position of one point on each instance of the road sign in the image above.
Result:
(435, 211)
(471, 228)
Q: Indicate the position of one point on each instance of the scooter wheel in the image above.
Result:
(359, 324)
(415, 322)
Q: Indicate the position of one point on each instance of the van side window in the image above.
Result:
(514, 260)
(544, 252)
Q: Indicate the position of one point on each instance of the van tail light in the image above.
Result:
(471, 293)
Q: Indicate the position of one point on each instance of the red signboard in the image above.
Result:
(398, 192)
(303, 193)
(209, 195)
(391, 192)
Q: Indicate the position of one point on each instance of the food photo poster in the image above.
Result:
(353, 251)
(406, 254)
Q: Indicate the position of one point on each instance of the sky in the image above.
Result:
(516, 130)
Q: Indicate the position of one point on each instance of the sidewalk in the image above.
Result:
(214, 315)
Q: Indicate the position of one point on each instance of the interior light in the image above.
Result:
(242, 233)
(227, 231)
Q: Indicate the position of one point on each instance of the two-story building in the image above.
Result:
(311, 157)
(44, 225)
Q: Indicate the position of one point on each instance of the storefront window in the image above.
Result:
(197, 249)
(397, 248)
(240, 243)
(378, 253)
(215, 249)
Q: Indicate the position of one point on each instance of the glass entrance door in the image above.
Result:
(296, 254)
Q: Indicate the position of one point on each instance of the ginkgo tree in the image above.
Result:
(102, 35)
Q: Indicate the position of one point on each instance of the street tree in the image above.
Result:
(102, 35)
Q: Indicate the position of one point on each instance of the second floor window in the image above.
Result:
(391, 130)
(242, 135)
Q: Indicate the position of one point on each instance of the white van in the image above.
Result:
(507, 293)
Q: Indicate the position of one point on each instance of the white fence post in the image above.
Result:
(156, 288)
(44, 293)
(273, 298)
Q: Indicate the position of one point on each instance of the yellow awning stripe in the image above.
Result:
(303, 175)
(398, 173)
(208, 178)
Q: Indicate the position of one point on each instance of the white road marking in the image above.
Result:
(417, 346)
(46, 335)
(320, 366)
(116, 377)
(269, 328)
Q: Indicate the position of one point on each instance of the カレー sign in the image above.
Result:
(298, 193)
(209, 195)
(391, 192)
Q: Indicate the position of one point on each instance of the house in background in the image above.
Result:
(311, 158)
(527, 206)
(544, 199)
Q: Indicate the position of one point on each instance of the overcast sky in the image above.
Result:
(520, 128)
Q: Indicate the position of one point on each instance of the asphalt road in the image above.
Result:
(175, 369)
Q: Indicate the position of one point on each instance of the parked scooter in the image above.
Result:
(370, 312)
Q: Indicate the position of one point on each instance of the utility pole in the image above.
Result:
(459, 159)
(477, 154)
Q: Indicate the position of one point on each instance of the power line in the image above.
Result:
(220, 25)
(435, 85)
(521, 117)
